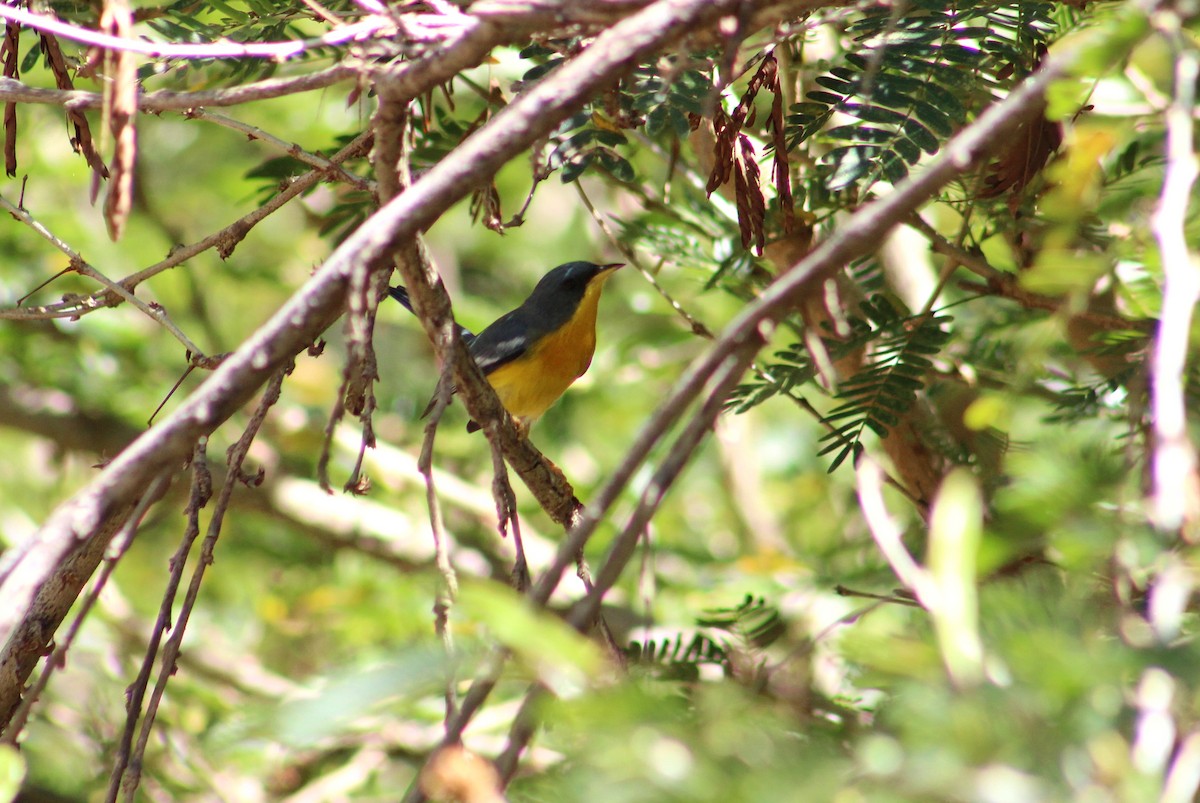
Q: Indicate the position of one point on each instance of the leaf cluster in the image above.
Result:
(874, 398)
(885, 389)
(914, 76)
(740, 634)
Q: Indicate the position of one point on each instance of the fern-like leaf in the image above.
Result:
(794, 365)
(675, 659)
(908, 86)
(878, 395)
(755, 622)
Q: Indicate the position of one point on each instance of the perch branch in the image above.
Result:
(41, 578)
(857, 236)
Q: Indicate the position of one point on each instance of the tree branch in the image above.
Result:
(1175, 500)
(224, 240)
(279, 51)
(33, 583)
(14, 91)
(856, 237)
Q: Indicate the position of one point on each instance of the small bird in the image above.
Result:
(532, 354)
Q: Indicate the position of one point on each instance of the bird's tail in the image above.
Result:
(401, 294)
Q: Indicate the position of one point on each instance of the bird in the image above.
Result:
(532, 354)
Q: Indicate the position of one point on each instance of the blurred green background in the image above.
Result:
(311, 669)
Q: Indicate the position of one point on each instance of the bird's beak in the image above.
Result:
(612, 266)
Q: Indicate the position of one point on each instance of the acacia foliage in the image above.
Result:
(777, 643)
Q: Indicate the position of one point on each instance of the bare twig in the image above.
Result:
(697, 326)
(120, 112)
(1007, 285)
(393, 177)
(236, 457)
(58, 658)
(720, 382)
(1175, 498)
(1183, 776)
(887, 533)
(506, 514)
(279, 51)
(13, 91)
(153, 311)
(200, 494)
(448, 589)
(224, 240)
(332, 169)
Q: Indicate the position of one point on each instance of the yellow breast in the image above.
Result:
(528, 385)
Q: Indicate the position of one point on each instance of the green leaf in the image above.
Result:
(31, 57)
(12, 772)
(563, 658)
(955, 534)
(618, 167)
(574, 169)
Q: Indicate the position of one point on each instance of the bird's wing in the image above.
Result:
(505, 340)
(401, 294)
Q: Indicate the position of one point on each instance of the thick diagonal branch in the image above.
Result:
(42, 577)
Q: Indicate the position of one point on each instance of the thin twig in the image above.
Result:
(448, 588)
(79, 265)
(331, 169)
(624, 545)
(719, 383)
(236, 456)
(895, 599)
(279, 51)
(200, 493)
(391, 158)
(887, 533)
(58, 658)
(1175, 498)
(14, 91)
(336, 413)
(1183, 777)
(697, 326)
(1007, 285)
(506, 514)
(224, 240)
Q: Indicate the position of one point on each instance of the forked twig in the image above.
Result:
(236, 456)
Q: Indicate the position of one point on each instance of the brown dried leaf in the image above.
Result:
(724, 132)
(1023, 158)
(751, 205)
(10, 138)
(1027, 152)
(918, 466)
(120, 109)
(741, 193)
(8, 51)
(767, 71)
(82, 141)
(485, 207)
(743, 167)
(780, 169)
